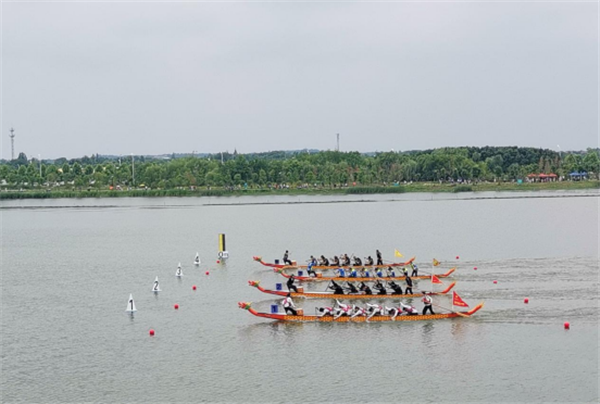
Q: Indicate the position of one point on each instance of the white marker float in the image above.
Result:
(130, 305)
(179, 272)
(155, 286)
(197, 259)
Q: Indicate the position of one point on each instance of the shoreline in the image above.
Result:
(353, 190)
(335, 199)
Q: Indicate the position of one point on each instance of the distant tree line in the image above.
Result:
(299, 169)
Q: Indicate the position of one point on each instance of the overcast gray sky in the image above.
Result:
(81, 78)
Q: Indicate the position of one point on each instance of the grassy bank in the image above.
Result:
(414, 187)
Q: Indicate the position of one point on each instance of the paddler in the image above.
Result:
(357, 262)
(341, 272)
(324, 261)
(286, 258)
(337, 289)
(290, 284)
(342, 309)
(346, 260)
(395, 287)
(364, 288)
(374, 309)
(358, 311)
(393, 311)
(369, 261)
(379, 286)
(325, 311)
(410, 310)
(427, 302)
(351, 288)
(289, 306)
(335, 261)
(379, 259)
(409, 285)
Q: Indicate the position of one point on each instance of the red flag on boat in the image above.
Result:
(435, 279)
(457, 301)
(435, 262)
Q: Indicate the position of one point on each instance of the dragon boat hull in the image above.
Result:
(319, 277)
(323, 267)
(330, 295)
(358, 319)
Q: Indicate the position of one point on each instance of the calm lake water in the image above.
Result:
(68, 267)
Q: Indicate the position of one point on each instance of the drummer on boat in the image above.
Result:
(409, 285)
(290, 284)
(289, 306)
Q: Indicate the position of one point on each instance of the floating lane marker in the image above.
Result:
(155, 286)
(130, 305)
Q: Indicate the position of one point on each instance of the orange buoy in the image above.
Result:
(526, 300)
(194, 287)
(151, 332)
(567, 325)
(176, 306)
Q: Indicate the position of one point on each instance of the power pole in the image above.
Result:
(338, 143)
(12, 143)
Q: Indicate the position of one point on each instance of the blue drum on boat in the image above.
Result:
(300, 273)
(276, 262)
(274, 309)
(278, 286)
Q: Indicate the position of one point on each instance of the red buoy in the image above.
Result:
(457, 257)
(194, 287)
(218, 262)
(475, 268)
(151, 332)
(176, 306)
(567, 325)
(526, 300)
(495, 282)
(207, 272)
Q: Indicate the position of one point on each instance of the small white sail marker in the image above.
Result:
(197, 259)
(130, 305)
(155, 286)
(179, 272)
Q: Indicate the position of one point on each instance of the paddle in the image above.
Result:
(451, 311)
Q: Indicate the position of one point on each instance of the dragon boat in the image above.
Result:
(358, 319)
(331, 295)
(320, 277)
(323, 267)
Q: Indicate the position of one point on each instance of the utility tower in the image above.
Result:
(338, 143)
(12, 143)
